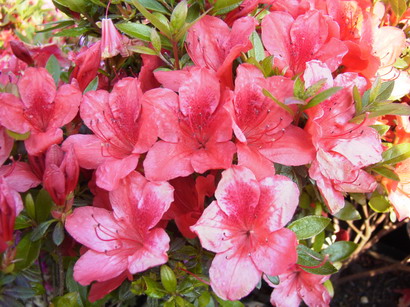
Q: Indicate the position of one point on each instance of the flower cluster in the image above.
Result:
(215, 130)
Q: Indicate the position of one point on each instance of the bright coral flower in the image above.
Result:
(212, 44)
(343, 148)
(194, 127)
(125, 238)
(263, 129)
(40, 110)
(245, 227)
(293, 42)
(123, 130)
(297, 285)
(10, 206)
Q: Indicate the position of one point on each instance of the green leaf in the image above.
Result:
(29, 205)
(74, 32)
(156, 41)
(27, 252)
(18, 136)
(386, 172)
(225, 6)
(282, 105)
(22, 222)
(319, 240)
(22, 293)
(374, 91)
(322, 96)
(142, 49)
(379, 203)
(178, 17)
(357, 100)
(164, 28)
(68, 300)
(79, 6)
(40, 230)
(340, 250)
(58, 234)
(386, 88)
(223, 303)
(53, 67)
(152, 288)
(257, 52)
(313, 89)
(384, 109)
(168, 279)
(154, 6)
(61, 24)
(311, 261)
(381, 129)
(73, 286)
(137, 30)
(396, 154)
(92, 86)
(204, 299)
(398, 7)
(273, 279)
(348, 213)
(43, 206)
(299, 88)
(309, 226)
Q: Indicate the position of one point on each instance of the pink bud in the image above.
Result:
(112, 42)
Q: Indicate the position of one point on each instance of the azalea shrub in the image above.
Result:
(189, 153)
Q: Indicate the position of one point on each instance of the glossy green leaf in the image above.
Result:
(40, 230)
(273, 279)
(340, 250)
(348, 213)
(27, 252)
(168, 278)
(74, 32)
(153, 289)
(322, 96)
(143, 50)
(79, 6)
(384, 109)
(204, 299)
(61, 24)
(30, 206)
(154, 6)
(386, 88)
(58, 234)
(312, 262)
(282, 105)
(314, 88)
(155, 41)
(381, 129)
(225, 6)
(70, 299)
(358, 104)
(178, 17)
(309, 226)
(164, 28)
(299, 88)
(257, 52)
(386, 172)
(19, 292)
(318, 243)
(136, 30)
(53, 67)
(22, 222)
(379, 203)
(43, 206)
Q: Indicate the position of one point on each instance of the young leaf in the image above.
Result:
(273, 279)
(225, 6)
(92, 86)
(18, 136)
(340, 250)
(43, 206)
(58, 234)
(27, 252)
(168, 278)
(74, 32)
(379, 203)
(40, 230)
(178, 17)
(396, 154)
(257, 52)
(282, 105)
(386, 172)
(152, 288)
(314, 88)
(164, 28)
(53, 67)
(154, 6)
(398, 7)
(384, 109)
(299, 89)
(142, 49)
(155, 40)
(358, 104)
(309, 226)
(374, 91)
(29, 205)
(322, 96)
(381, 129)
(386, 88)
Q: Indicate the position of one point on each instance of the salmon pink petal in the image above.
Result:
(214, 156)
(316, 71)
(66, 105)
(100, 289)
(335, 166)
(278, 201)
(113, 170)
(39, 142)
(388, 43)
(165, 104)
(21, 177)
(176, 164)
(251, 158)
(332, 53)
(146, 75)
(400, 201)
(172, 79)
(152, 253)
(85, 225)
(88, 150)
(277, 254)
(12, 115)
(292, 147)
(287, 294)
(98, 266)
(211, 227)
(36, 87)
(275, 35)
(238, 192)
(6, 144)
(233, 275)
(364, 183)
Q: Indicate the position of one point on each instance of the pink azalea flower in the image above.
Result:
(343, 148)
(125, 238)
(245, 228)
(212, 44)
(194, 127)
(123, 130)
(297, 285)
(6, 145)
(100, 289)
(399, 195)
(189, 201)
(10, 206)
(19, 176)
(40, 110)
(263, 129)
(293, 42)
